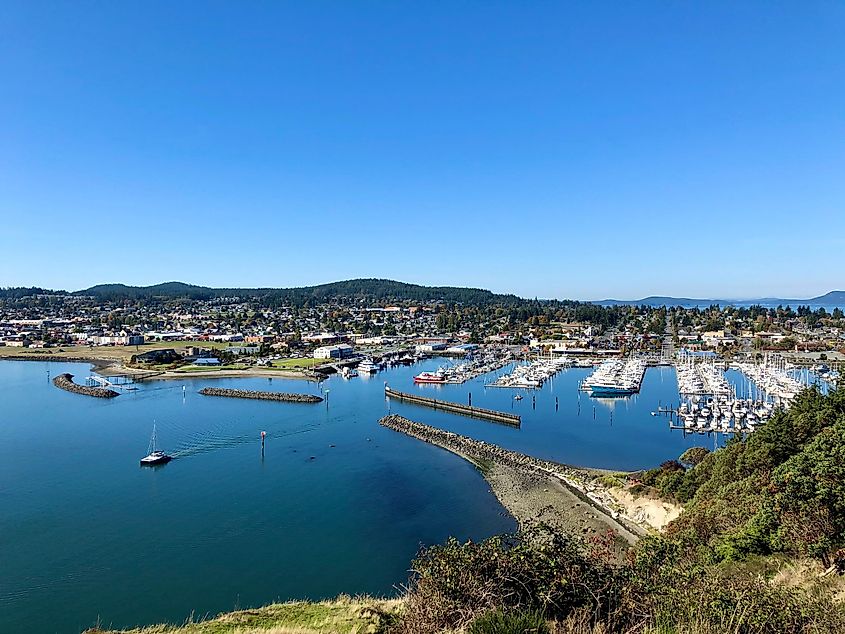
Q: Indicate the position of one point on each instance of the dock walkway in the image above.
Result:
(457, 408)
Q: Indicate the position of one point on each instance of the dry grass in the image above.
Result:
(343, 615)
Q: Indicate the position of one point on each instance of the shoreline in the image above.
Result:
(530, 489)
(107, 367)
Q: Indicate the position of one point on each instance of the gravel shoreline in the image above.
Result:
(530, 489)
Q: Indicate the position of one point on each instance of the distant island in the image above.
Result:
(833, 298)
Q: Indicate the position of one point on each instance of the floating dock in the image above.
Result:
(456, 408)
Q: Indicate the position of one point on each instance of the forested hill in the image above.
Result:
(781, 490)
(17, 292)
(369, 289)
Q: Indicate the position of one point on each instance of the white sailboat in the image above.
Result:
(155, 456)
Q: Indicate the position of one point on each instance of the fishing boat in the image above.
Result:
(155, 455)
(430, 377)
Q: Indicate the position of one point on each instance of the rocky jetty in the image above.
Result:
(263, 396)
(65, 381)
(531, 489)
(477, 451)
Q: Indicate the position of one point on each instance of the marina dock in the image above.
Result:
(456, 408)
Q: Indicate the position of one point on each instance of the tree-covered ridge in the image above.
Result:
(781, 490)
(18, 292)
(365, 289)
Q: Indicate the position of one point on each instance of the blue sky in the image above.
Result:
(582, 150)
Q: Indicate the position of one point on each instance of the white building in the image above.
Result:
(340, 351)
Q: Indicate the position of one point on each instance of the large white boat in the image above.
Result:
(155, 455)
(368, 366)
(430, 377)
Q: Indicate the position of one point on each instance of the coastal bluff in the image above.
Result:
(287, 397)
(65, 382)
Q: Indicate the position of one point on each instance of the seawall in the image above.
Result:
(287, 397)
(65, 382)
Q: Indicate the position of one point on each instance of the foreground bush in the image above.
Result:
(504, 583)
(541, 571)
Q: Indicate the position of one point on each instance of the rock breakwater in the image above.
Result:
(531, 489)
(287, 397)
(65, 382)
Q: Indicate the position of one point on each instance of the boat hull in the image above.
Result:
(151, 462)
(611, 391)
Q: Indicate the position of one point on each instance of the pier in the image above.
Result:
(263, 396)
(117, 382)
(456, 408)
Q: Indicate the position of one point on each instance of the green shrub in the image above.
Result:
(514, 622)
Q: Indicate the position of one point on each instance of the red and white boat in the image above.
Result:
(430, 377)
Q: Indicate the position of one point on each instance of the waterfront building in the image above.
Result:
(339, 351)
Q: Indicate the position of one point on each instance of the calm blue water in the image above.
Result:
(86, 534)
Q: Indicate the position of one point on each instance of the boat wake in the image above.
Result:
(213, 439)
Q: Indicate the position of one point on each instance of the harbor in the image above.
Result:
(467, 370)
(771, 377)
(532, 375)
(711, 403)
(314, 458)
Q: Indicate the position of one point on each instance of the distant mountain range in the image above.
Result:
(833, 298)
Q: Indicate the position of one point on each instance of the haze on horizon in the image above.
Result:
(586, 152)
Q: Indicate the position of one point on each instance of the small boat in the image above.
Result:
(518, 397)
(348, 372)
(155, 456)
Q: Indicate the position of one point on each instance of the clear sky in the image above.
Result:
(572, 149)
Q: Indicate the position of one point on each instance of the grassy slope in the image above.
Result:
(340, 616)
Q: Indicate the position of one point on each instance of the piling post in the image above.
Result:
(263, 436)
(470, 399)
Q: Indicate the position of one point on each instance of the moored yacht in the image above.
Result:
(367, 366)
(430, 377)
